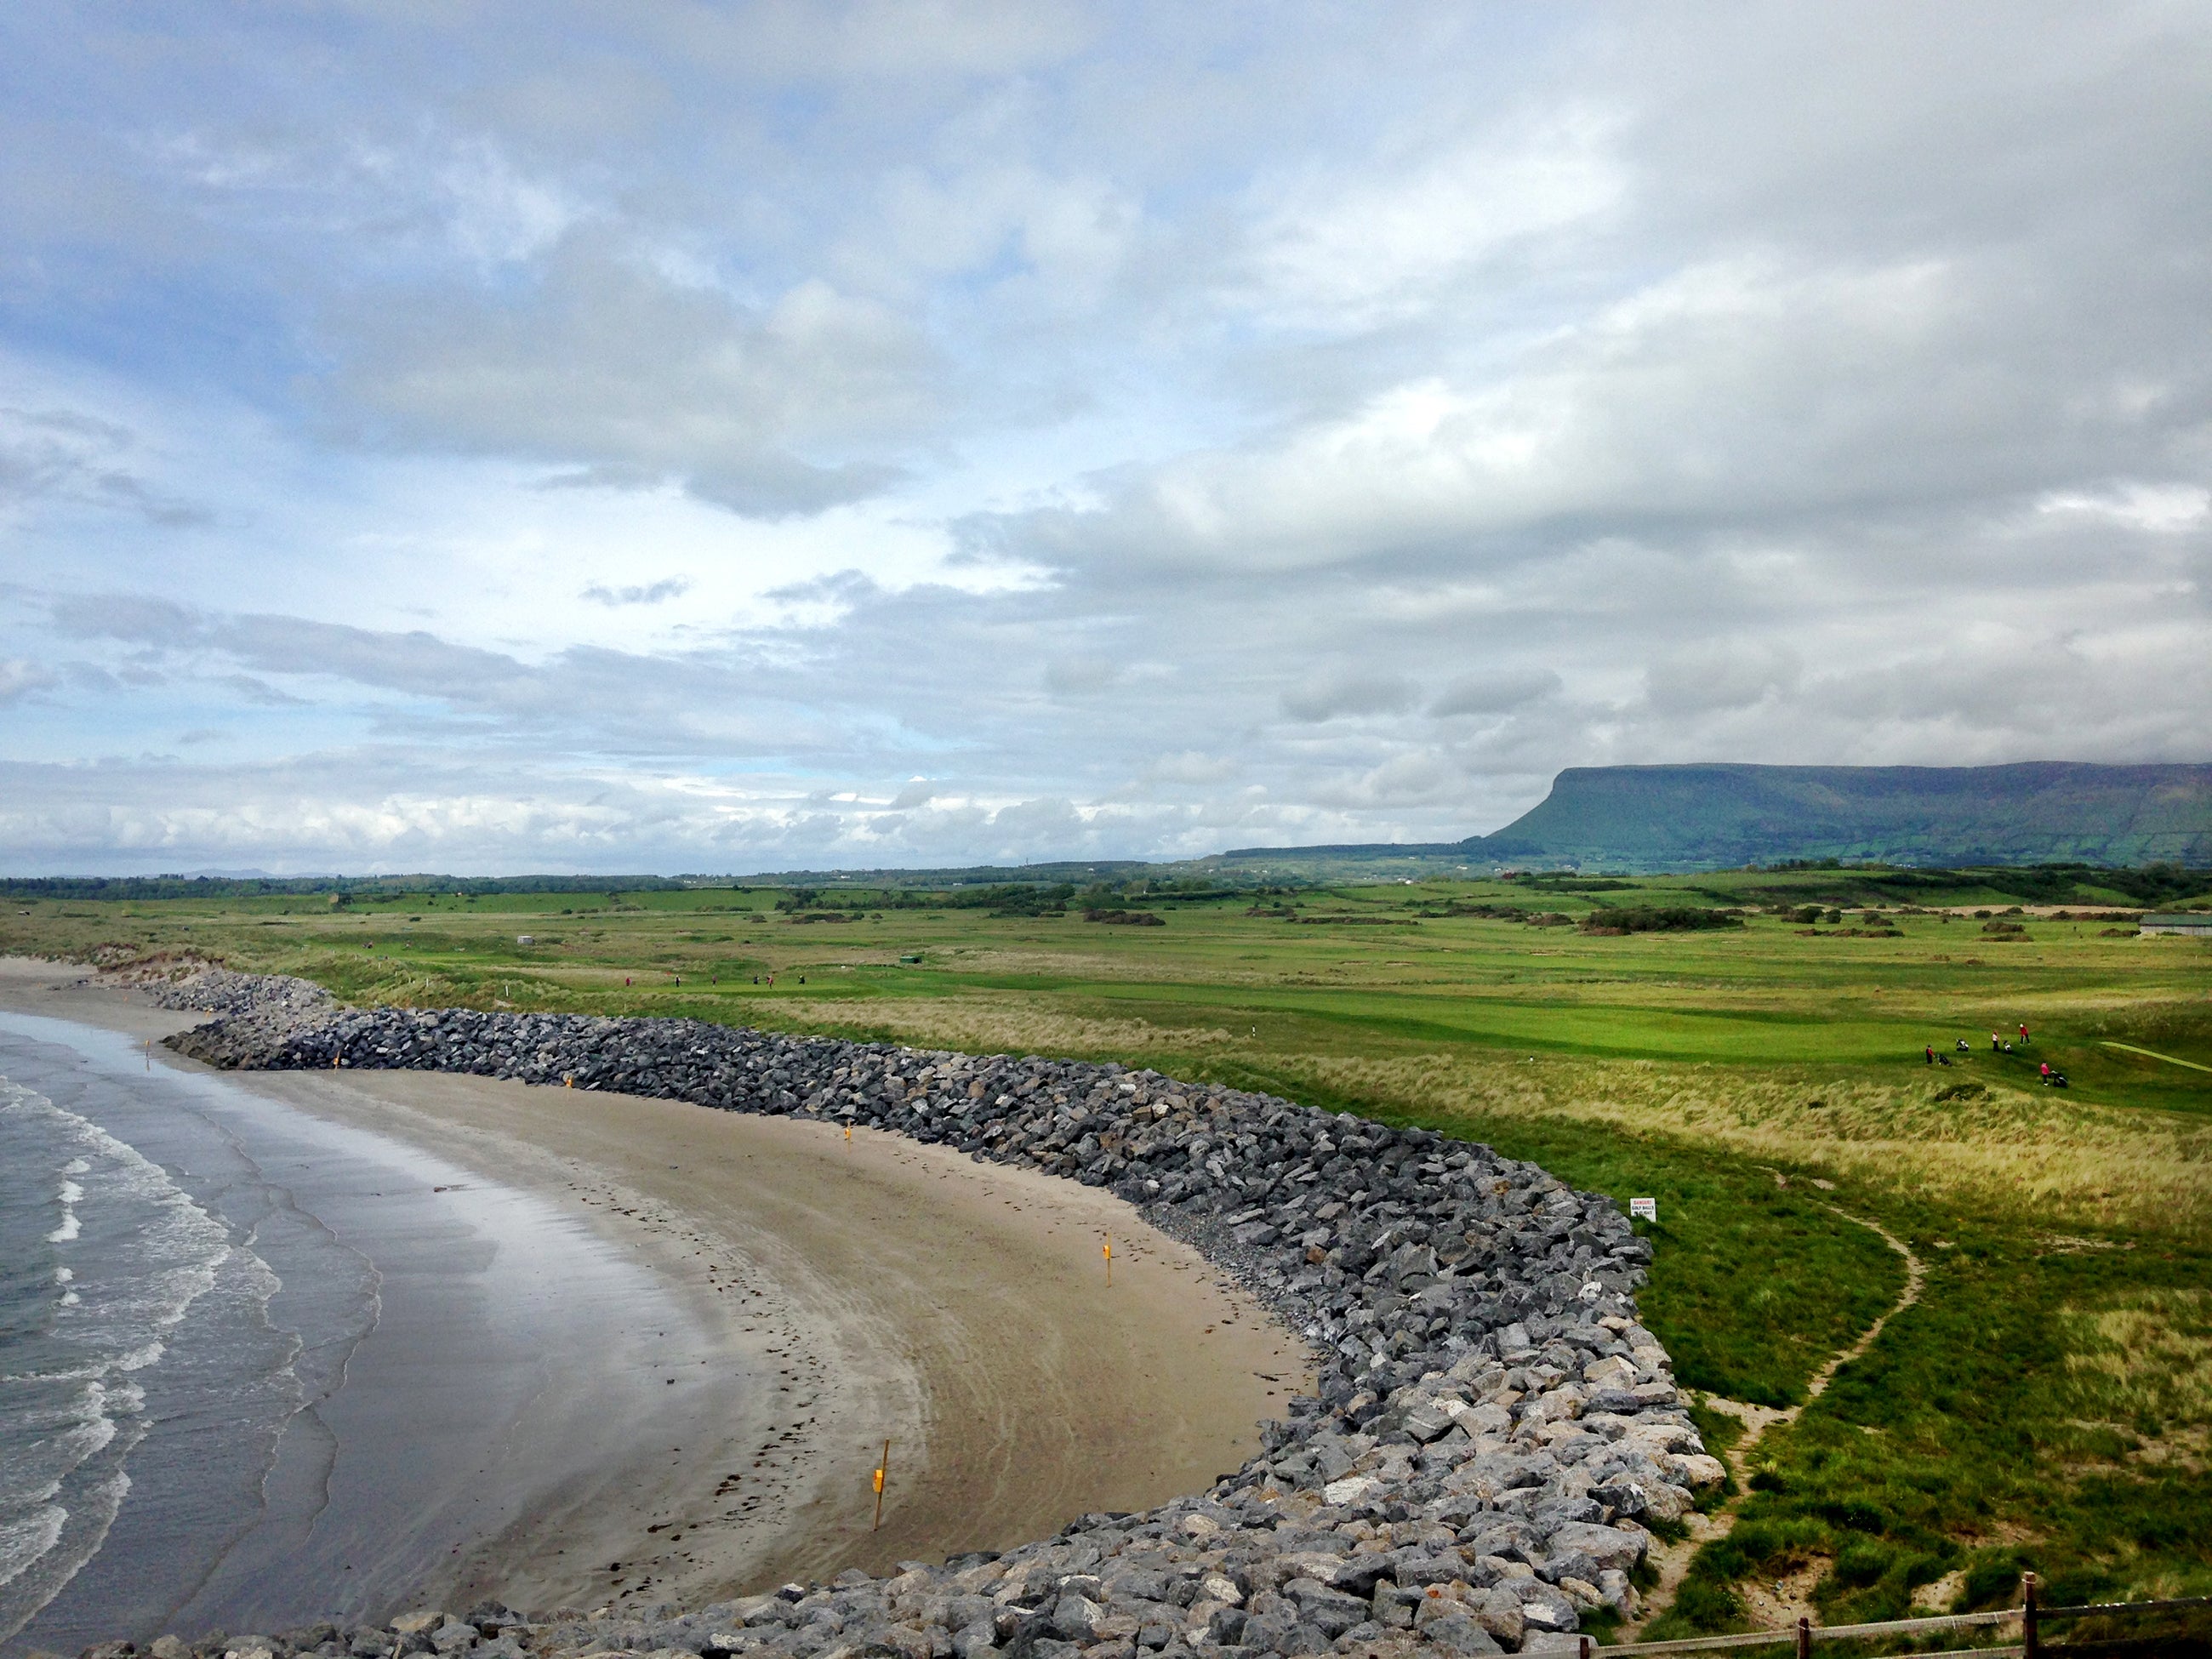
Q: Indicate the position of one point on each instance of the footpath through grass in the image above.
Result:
(2047, 1402)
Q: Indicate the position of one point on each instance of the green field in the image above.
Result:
(2046, 1404)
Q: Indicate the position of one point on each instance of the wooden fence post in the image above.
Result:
(2027, 1631)
(1804, 1638)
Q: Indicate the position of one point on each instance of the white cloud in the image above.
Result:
(1192, 766)
(65, 457)
(20, 678)
(608, 367)
(1723, 675)
(1347, 247)
(1495, 693)
(498, 216)
(1337, 695)
(660, 592)
(541, 439)
(2158, 508)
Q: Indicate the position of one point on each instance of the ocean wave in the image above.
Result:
(43, 1551)
(27, 1537)
(133, 1253)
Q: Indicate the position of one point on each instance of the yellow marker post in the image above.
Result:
(848, 1134)
(880, 1469)
(1109, 1262)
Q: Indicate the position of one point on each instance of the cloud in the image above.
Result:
(61, 456)
(1143, 431)
(2158, 508)
(1192, 766)
(20, 678)
(919, 792)
(1078, 677)
(1495, 693)
(610, 366)
(498, 215)
(1336, 695)
(1419, 776)
(1743, 389)
(872, 41)
(260, 692)
(1354, 245)
(1722, 675)
(1031, 829)
(668, 587)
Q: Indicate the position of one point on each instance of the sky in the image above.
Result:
(488, 437)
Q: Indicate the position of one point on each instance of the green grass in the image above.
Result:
(1763, 1283)
(1971, 1440)
(2047, 1402)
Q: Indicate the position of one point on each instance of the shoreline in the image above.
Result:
(957, 1309)
(472, 1372)
(888, 1287)
(1491, 1434)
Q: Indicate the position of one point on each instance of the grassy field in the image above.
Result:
(2046, 1404)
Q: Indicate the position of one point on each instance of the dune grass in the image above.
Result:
(2046, 1404)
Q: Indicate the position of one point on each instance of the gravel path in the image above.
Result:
(1788, 1601)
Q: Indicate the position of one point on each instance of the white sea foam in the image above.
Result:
(89, 1433)
(61, 1550)
(137, 1252)
(26, 1537)
(71, 1194)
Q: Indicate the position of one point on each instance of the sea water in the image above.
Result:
(258, 1368)
(148, 1375)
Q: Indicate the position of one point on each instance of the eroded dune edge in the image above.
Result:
(1491, 1429)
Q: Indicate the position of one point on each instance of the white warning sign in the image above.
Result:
(1643, 1209)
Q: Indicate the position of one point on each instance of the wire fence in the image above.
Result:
(2030, 1615)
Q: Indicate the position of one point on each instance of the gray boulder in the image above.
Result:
(1329, 1611)
(1456, 1633)
(1610, 1547)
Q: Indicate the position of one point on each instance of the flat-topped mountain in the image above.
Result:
(1718, 817)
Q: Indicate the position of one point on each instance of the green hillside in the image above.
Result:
(1713, 817)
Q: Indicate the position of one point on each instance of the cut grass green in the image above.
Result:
(2153, 1054)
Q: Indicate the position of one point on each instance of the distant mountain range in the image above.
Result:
(1689, 818)
(1631, 818)
(1647, 818)
(1718, 817)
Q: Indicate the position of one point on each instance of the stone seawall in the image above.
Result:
(1491, 1429)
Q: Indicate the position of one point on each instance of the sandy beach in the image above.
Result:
(833, 1294)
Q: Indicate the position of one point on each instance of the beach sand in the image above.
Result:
(849, 1292)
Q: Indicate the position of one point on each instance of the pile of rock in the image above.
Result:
(1491, 1429)
(189, 982)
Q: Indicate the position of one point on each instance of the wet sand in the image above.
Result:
(882, 1289)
